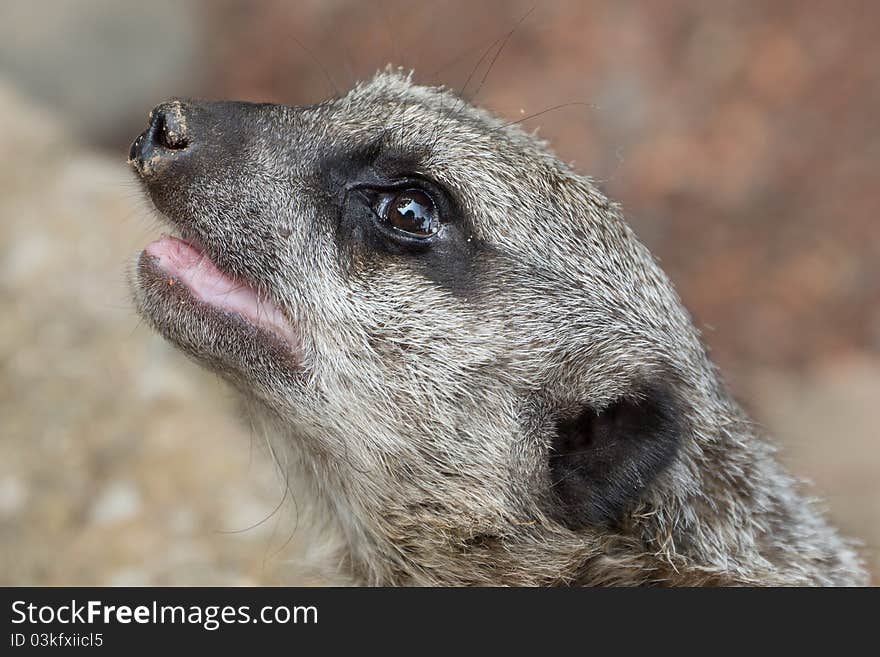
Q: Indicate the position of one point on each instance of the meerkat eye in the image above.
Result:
(411, 211)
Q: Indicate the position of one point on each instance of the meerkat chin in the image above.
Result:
(479, 372)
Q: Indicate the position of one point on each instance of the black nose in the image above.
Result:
(164, 139)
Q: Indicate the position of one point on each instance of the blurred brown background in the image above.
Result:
(741, 138)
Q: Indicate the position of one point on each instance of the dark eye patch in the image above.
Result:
(453, 257)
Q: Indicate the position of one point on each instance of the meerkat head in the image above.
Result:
(482, 371)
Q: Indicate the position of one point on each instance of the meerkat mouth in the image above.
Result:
(186, 263)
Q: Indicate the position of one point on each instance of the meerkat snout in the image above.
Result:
(481, 373)
(165, 139)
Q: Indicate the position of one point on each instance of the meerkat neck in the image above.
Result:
(726, 515)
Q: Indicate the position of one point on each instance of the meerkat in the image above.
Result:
(474, 366)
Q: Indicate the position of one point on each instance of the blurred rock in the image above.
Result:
(119, 501)
(13, 496)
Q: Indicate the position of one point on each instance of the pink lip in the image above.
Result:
(194, 269)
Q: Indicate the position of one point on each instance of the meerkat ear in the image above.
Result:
(603, 460)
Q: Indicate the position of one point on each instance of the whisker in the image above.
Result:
(546, 111)
(258, 523)
(317, 61)
(503, 44)
(459, 105)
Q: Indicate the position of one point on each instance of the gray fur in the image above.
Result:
(419, 417)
